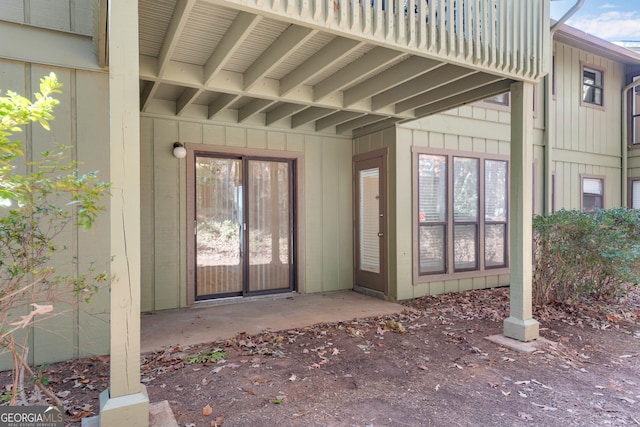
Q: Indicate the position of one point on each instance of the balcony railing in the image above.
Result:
(504, 36)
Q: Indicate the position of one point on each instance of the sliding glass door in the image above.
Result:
(244, 226)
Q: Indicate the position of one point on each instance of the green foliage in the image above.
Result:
(36, 207)
(579, 254)
(207, 356)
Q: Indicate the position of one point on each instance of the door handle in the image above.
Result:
(380, 234)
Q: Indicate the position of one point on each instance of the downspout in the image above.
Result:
(625, 142)
(548, 150)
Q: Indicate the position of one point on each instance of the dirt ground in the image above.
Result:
(429, 366)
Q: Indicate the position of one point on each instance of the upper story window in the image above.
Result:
(592, 85)
(592, 194)
(635, 113)
(502, 99)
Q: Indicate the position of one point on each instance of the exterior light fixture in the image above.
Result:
(179, 152)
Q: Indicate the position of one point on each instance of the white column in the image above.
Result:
(520, 324)
(125, 403)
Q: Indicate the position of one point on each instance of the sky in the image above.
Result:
(613, 20)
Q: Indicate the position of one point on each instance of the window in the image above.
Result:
(592, 194)
(635, 112)
(462, 213)
(635, 194)
(502, 99)
(591, 86)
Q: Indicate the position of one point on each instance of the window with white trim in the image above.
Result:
(592, 85)
(462, 203)
(635, 194)
(592, 194)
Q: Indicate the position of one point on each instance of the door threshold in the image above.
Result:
(239, 298)
(370, 292)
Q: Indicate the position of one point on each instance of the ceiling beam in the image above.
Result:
(237, 32)
(171, 38)
(346, 127)
(336, 119)
(445, 91)
(188, 96)
(465, 98)
(220, 103)
(389, 78)
(335, 50)
(424, 83)
(356, 71)
(292, 38)
(254, 107)
(309, 115)
(378, 126)
(148, 92)
(283, 111)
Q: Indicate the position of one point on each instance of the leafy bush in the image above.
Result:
(580, 254)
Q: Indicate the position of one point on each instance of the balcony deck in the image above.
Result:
(333, 66)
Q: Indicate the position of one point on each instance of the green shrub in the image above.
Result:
(580, 254)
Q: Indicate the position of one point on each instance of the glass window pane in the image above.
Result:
(465, 246)
(636, 130)
(495, 190)
(495, 237)
(635, 195)
(269, 225)
(465, 189)
(432, 188)
(369, 182)
(592, 186)
(432, 249)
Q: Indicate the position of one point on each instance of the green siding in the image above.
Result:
(326, 202)
(66, 15)
(82, 122)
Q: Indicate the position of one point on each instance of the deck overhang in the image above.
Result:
(333, 66)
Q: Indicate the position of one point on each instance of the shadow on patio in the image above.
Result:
(209, 321)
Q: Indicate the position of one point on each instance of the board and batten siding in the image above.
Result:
(586, 140)
(75, 16)
(325, 229)
(81, 121)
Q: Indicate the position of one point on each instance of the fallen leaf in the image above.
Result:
(544, 407)
(424, 368)
(335, 352)
(525, 416)
(293, 377)
(505, 393)
(218, 422)
(207, 410)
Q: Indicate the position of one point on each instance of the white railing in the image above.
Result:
(507, 36)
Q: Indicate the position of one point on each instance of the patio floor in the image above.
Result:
(209, 321)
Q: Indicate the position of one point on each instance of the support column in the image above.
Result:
(125, 403)
(520, 325)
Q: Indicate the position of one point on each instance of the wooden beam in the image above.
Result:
(283, 111)
(356, 71)
(336, 119)
(171, 38)
(464, 98)
(448, 90)
(253, 108)
(232, 39)
(335, 50)
(292, 38)
(424, 83)
(220, 103)
(347, 127)
(188, 96)
(309, 115)
(393, 76)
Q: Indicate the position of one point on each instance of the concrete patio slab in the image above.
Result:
(520, 346)
(209, 321)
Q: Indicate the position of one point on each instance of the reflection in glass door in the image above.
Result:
(243, 226)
